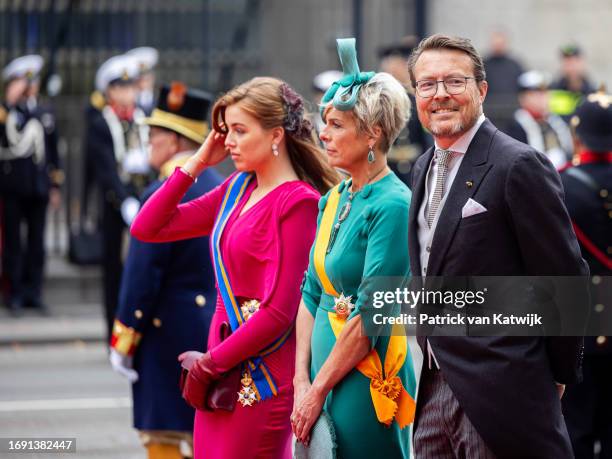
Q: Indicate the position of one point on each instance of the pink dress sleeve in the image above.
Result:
(163, 219)
(278, 310)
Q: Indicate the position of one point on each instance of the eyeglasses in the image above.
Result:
(452, 85)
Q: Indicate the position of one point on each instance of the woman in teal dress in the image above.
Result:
(366, 384)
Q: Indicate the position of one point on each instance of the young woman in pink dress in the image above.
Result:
(262, 222)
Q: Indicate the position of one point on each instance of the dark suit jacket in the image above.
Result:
(167, 282)
(505, 384)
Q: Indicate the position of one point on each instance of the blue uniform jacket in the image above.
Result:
(166, 302)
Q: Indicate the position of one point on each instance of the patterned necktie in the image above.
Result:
(443, 158)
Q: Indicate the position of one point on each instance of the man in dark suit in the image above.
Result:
(588, 196)
(115, 146)
(167, 296)
(30, 179)
(486, 205)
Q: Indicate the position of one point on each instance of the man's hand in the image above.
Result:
(124, 365)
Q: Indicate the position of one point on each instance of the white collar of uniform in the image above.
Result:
(462, 143)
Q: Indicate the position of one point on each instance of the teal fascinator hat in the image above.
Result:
(343, 93)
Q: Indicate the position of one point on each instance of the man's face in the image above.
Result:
(15, 91)
(573, 66)
(146, 82)
(163, 145)
(535, 101)
(448, 116)
(123, 95)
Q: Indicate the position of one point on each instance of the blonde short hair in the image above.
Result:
(382, 102)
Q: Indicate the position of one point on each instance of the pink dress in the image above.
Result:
(265, 251)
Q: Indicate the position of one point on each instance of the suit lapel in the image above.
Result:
(474, 168)
(418, 192)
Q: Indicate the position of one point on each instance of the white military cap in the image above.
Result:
(25, 66)
(324, 80)
(117, 68)
(533, 80)
(145, 56)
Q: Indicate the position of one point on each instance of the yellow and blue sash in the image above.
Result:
(390, 399)
(264, 384)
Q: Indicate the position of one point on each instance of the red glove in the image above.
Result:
(201, 374)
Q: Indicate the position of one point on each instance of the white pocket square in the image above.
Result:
(471, 208)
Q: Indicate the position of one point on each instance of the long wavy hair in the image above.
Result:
(274, 104)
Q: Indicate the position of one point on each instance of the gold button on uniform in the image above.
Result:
(200, 300)
(157, 322)
(138, 314)
(601, 340)
(599, 307)
(596, 280)
(603, 193)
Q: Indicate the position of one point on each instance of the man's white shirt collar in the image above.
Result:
(462, 143)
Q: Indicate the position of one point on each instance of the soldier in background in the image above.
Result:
(116, 157)
(413, 139)
(146, 58)
(572, 83)
(502, 70)
(588, 196)
(30, 178)
(168, 290)
(533, 123)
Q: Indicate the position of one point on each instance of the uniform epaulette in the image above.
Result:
(97, 100)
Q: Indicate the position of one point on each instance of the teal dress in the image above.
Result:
(372, 241)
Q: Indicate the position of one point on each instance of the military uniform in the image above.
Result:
(116, 156)
(167, 300)
(166, 304)
(588, 196)
(547, 133)
(29, 168)
(563, 98)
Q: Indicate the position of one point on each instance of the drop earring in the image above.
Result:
(275, 149)
(371, 156)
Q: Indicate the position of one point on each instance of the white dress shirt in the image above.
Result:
(424, 232)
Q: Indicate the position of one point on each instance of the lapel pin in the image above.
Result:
(469, 184)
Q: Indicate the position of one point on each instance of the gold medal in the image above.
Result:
(247, 395)
(248, 308)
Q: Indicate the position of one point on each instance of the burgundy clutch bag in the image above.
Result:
(223, 393)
